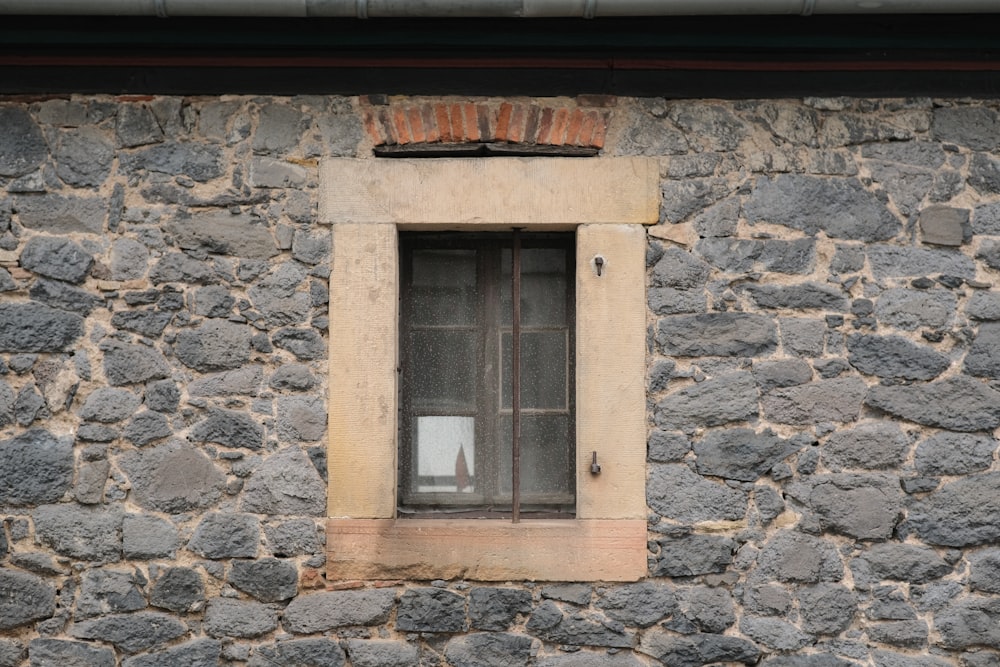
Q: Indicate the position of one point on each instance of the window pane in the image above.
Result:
(546, 457)
(443, 287)
(445, 453)
(543, 287)
(543, 369)
(443, 370)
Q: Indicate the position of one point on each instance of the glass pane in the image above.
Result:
(543, 287)
(442, 376)
(445, 455)
(546, 458)
(443, 287)
(543, 369)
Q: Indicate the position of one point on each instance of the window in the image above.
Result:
(601, 205)
(457, 345)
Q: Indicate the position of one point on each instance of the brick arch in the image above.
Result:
(582, 124)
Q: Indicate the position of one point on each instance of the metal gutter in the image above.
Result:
(364, 9)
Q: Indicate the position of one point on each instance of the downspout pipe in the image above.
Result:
(488, 8)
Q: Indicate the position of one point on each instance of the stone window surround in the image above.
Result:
(606, 201)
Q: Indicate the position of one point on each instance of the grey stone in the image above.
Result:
(178, 589)
(767, 599)
(64, 297)
(716, 334)
(895, 357)
(640, 605)
(962, 513)
(826, 608)
(784, 373)
(710, 609)
(681, 199)
(806, 296)
(836, 400)
(888, 261)
(33, 327)
(797, 558)
(292, 377)
(65, 653)
(380, 653)
(305, 344)
(225, 617)
(91, 478)
(740, 454)
(56, 257)
(984, 306)
(954, 454)
(24, 598)
(974, 127)
(430, 610)
(162, 396)
(295, 537)
(969, 622)
(699, 649)
(985, 571)
(245, 381)
(22, 148)
(279, 129)
(84, 157)
(848, 259)
(670, 301)
(489, 649)
(986, 219)
(196, 161)
(229, 428)
(279, 298)
(286, 483)
(173, 477)
(944, 225)
(647, 134)
(39, 563)
(7, 283)
(58, 214)
(131, 633)
(866, 507)
(983, 358)
(266, 579)
(715, 126)
(311, 246)
(906, 634)
(867, 446)
(96, 433)
(214, 346)
(176, 267)
(301, 418)
(148, 537)
(911, 309)
(147, 427)
(814, 660)
(728, 398)
(37, 468)
(109, 405)
(29, 406)
(495, 609)
(7, 399)
(128, 259)
(319, 612)
(906, 184)
(666, 447)
(84, 533)
(916, 564)
(925, 154)
(108, 592)
(224, 234)
(718, 220)
(989, 253)
(310, 653)
(132, 364)
(270, 173)
(135, 125)
(677, 268)
(548, 623)
(195, 653)
(745, 255)
(578, 594)
(805, 203)
(226, 535)
(677, 493)
(212, 301)
(769, 502)
(984, 174)
(774, 633)
(958, 404)
(588, 659)
(149, 323)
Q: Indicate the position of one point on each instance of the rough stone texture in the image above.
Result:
(957, 404)
(680, 494)
(827, 609)
(107, 405)
(725, 399)
(869, 446)
(108, 591)
(224, 234)
(301, 419)
(911, 309)
(693, 555)
(221, 535)
(836, 400)
(56, 652)
(57, 258)
(954, 454)
(130, 364)
(286, 484)
(33, 327)
(148, 537)
(238, 618)
(24, 598)
(229, 428)
(866, 507)
(266, 579)
(319, 612)
(488, 650)
(740, 454)
(896, 261)
(179, 589)
(699, 649)
(639, 605)
(214, 346)
(431, 610)
(798, 558)
(961, 513)
(89, 534)
(895, 357)
(316, 653)
(131, 633)
(495, 609)
(716, 334)
(173, 477)
(195, 653)
(37, 468)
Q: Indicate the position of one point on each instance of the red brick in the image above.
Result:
(587, 128)
(416, 125)
(399, 125)
(531, 124)
(443, 122)
(312, 578)
(517, 121)
(544, 127)
(386, 122)
(344, 585)
(471, 121)
(485, 116)
(430, 125)
(558, 135)
(573, 128)
(457, 125)
(387, 583)
(134, 98)
(372, 126)
(503, 121)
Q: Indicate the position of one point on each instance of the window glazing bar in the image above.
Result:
(515, 445)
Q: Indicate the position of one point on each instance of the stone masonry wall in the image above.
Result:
(824, 393)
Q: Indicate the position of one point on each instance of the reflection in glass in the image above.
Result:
(446, 454)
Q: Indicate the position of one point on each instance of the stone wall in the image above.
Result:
(824, 355)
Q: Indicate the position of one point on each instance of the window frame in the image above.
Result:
(606, 201)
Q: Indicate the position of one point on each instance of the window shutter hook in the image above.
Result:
(599, 264)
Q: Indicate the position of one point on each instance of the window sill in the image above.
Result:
(487, 550)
